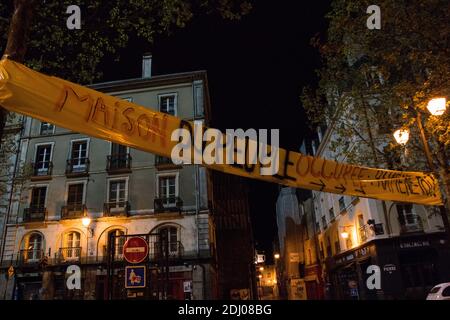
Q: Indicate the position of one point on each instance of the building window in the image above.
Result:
(118, 150)
(42, 163)
(337, 245)
(362, 228)
(198, 92)
(46, 128)
(38, 196)
(72, 245)
(324, 222)
(119, 159)
(331, 213)
(168, 103)
(75, 194)
(117, 192)
(79, 155)
(168, 189)
(169, 236)
(32, 247)
(349, 243)
(329, 250)
(409, 221)
(119, 241)
(342, 204)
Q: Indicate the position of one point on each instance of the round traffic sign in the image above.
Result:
(135, 250)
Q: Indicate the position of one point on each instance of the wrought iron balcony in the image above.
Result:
(410, 223)
(73, 211)
(168, 204)
(118, 163)
(117, 208)
(30, 256)
(364, 232)
(77, 167)
(34, 214)
(164, 163)
(41, 170)
(68, 255)
(167, 251)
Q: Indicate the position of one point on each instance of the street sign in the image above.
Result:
(187, 286)
(135, 250)
(135, 277)
(10, 271)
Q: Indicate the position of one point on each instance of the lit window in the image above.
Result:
(168, 103)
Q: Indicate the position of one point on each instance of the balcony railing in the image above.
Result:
(72, 211)
(77, 167)
(69, 255)
(30, 256)
(168, 204)
(410, 223)
(42, 169)
(163, 251)
(164, 162)
(34, 213)
(118, 208)
(364, 232)
(118, 163)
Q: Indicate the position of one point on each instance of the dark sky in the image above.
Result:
(256, 68)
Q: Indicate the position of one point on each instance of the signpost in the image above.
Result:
(135, 277)
(135, 250)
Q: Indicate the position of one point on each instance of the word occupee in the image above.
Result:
(211, 146)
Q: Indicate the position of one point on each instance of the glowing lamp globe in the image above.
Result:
(437, 106)
(401, 136)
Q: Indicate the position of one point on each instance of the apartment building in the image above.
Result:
(84, 197)
(406, 241)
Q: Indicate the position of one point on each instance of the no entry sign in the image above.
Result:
(135, 250)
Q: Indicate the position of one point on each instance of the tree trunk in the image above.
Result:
(17, 41)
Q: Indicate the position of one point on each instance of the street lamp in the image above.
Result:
(401, 136)
(261, 268)
(276, 256)
(86, 221)
(437, 106)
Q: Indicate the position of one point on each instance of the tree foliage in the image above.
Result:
(107, 26)
(373, 82)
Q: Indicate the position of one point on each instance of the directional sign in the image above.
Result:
(90, 112)
(135, 250)
(135, 277)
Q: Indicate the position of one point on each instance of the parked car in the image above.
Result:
(440, 292)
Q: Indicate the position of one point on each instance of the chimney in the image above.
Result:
(147, 66)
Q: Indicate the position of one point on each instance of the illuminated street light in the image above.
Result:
(86, 221)
(401, 136)
(260, 276)
(437, 106)
(261, 268)
(276, 256)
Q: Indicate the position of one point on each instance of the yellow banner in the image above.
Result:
(87, 111)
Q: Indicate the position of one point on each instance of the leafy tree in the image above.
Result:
(107, 26)
(373, 82)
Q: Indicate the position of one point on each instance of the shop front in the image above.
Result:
(409, 266)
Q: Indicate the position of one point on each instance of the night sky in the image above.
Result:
(256, 69)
